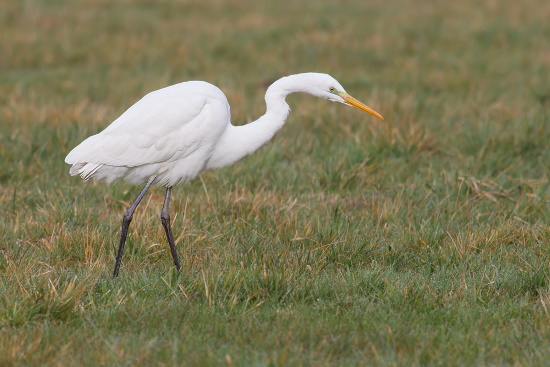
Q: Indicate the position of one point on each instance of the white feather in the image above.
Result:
(171, 135)
(176, 132)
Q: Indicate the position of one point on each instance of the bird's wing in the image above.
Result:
(161, 127)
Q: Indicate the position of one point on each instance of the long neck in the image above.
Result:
(240, 141)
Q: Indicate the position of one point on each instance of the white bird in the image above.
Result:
(174, 133)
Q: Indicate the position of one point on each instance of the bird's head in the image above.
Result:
(325, 86)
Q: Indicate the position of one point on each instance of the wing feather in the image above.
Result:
(165, 125)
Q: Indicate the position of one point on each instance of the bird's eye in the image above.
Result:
(332, 90)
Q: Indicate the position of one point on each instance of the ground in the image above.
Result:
(346, 241)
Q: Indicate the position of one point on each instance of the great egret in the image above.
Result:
(174, 133)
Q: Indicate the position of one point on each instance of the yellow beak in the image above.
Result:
(363, 107)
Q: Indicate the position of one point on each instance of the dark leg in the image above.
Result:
(126, 223)
(165, 218)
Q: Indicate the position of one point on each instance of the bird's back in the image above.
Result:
(169, 133)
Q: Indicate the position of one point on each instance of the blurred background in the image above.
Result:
(468, 58)
(468, 70)
(467, 80)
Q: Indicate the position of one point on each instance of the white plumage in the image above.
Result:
(170, 132)
(174, 133)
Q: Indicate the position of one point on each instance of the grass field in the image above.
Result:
(346, 241)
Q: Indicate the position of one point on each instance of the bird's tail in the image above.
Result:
(85, 170)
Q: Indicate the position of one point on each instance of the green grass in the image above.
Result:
(345, 241)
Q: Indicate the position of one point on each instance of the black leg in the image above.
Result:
(126, 223)
(165, 218)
